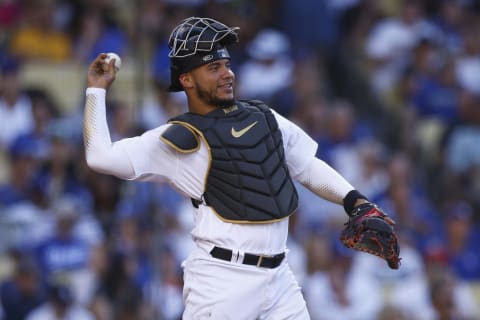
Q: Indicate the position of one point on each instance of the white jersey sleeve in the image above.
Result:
(101, 154)
(324, 181)
(300, 148)
(313, 173)
(135, 158)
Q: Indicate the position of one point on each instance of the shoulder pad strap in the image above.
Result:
(181, 138)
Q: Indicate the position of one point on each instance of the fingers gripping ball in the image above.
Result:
(370, 230)
(118, 61)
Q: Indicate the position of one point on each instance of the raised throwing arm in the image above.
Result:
(101, 154)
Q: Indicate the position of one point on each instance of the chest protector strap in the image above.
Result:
(248, 179)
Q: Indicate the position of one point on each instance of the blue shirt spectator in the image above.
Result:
(21, 293)
(19, 186)
(438, 96)
(461, 236)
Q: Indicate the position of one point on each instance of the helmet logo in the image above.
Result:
(207, 57)
(222, 53)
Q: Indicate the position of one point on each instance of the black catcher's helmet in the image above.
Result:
(197, 41)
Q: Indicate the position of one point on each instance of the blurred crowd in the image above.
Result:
(390, 90)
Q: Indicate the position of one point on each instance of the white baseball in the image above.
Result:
(118, 61)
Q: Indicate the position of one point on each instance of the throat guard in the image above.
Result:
(248, 179)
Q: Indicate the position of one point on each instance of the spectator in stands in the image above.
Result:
(58, 176)
(22, 164)
(459, 250)
(269, 70)
(106, 193)
(390, 42)
(345, 129)
(408, 288)
(38, 38)
(450, 18)
(118, 288)
(408, 203)
(338, 292)
(60, 305)
(165, 292)
(467, 64)
(450, 299)
(44, 111)
(67, 254)
(96, 31)
(306, 99)
(23, 291)
(15, 105)
(161, 105)
(310, 24)
(438, 95)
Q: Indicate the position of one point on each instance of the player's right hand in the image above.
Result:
(100, 74)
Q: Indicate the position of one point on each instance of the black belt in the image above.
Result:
(250, 259)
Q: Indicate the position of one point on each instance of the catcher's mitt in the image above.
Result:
(370, 230)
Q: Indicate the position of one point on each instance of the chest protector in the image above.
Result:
(248, 179)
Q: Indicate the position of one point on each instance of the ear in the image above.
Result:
(186, 80)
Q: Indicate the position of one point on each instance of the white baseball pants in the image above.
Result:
(222, 290)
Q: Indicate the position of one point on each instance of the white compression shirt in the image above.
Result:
(147, 158)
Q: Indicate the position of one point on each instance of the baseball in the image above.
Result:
(118, 61)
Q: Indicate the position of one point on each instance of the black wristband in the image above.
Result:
(350, 199)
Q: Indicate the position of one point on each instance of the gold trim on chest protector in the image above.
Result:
(200, 133)
(168, 142)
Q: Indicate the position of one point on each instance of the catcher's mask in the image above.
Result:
(195, 42)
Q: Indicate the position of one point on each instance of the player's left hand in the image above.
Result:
(101, 74)
(371, 230)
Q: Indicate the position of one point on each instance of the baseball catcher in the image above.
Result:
(369, 229)
(237, 161)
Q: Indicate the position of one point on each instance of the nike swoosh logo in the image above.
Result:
(239, 133)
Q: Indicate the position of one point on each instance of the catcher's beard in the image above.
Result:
(210, 97)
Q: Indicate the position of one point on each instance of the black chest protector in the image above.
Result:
(248, 179)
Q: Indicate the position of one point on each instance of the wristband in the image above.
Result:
(350, 199)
